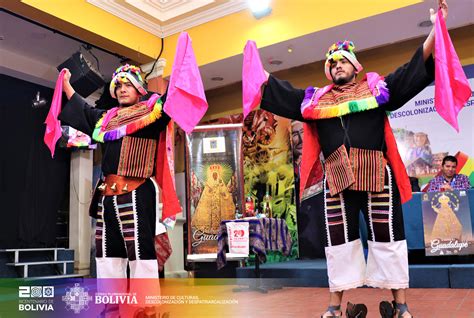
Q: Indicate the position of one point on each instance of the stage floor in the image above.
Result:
(313, 273)
(311, 302)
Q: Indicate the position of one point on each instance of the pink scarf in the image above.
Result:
(53, 125)
(452, 89)
(186, 103)
(253, 77)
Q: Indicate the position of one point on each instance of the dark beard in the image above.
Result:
(343, 80)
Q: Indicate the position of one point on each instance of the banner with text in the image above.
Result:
(424, 138)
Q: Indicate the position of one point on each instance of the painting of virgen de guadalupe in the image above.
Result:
(214, 174)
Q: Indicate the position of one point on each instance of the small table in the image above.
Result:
(265, 234)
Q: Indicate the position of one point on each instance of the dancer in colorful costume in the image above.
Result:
(137, 166)
(126, 198)
(126, 206)
(346, 121)
(137, 161)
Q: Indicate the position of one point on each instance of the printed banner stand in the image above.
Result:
(447, 223)
(238, 235)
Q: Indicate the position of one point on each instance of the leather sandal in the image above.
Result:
(332, 310)
(402, 308)
(356, 310)
(389, 310)
(386, 309)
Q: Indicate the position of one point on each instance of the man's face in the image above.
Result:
(127, 94)
(449, 169)
(342, 71)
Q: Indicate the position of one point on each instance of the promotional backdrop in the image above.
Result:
(424, 138)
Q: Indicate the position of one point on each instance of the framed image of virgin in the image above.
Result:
(447, 223)
(214, 183)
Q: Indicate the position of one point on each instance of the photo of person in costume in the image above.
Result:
(420, 149)
(125, 202)
(363, 171)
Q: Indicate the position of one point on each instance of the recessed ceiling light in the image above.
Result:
(276, 62)
(425, 24)
(217, 78)
(259, 8)
(290, 49)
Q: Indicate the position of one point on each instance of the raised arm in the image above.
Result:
(282, 99)
(410, 79)
(428, 45)
(77, 113)
(67, 87)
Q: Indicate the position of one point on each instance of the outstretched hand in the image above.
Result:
(428, 45)
(443, 6)
(67, 88)
(67, 76)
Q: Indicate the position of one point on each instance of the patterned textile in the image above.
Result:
(338, 51)
(122, 121)
(386, 240)
(126, 115)
(137, 157)
(335, 101)
(380, 212)
(264, 234)
(379, 208)
(369, 169)
(459, 182)
(100, 228)
(338, 171)
(347, 93)
(125, 235)
(335, 214)
(126, 215)
(127, 73)
(163, 249)
(340, 101)
(312, 147)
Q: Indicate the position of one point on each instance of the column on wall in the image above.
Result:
(155, 81)
(79, 220)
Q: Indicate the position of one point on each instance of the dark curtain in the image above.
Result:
(33, 186)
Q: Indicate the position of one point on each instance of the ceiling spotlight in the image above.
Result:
(38, 102)
(259, 8)
(425, 24)
(275, 62)
(217, 79)
(290, 49)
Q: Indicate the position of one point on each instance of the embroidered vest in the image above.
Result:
(363, 170)
(323, 103)
(123, 121)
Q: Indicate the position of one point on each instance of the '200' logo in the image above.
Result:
(239, 233)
